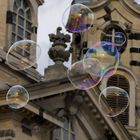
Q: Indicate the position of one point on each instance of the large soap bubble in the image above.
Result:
(107, 54)
(77, 18)
(23, 54)
(79, 74)
(113, 101)
(17, 97)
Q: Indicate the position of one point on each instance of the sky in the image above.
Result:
(49, 18)
(138, 1)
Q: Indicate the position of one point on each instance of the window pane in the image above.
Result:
(19, 38)
(121, 82)
(28, 35)
(65, 135)
(119, 38)
(20, 21)
(20, 31)
(13, 37)
(13, 27)
(14, 18)
(57, 134)
(28, 25)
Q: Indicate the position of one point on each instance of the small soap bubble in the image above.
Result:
(23, 54)
(17, 97)
(113, 101)
(79, 75)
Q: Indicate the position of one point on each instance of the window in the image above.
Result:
(65, 133)
(22, 25)
(115, 35)
(121, 82)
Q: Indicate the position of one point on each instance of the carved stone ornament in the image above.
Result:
(57, 52)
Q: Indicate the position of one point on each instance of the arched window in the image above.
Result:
(121, 82)
(115, 35)
(22, 24)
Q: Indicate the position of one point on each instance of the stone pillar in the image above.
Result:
(59, 55)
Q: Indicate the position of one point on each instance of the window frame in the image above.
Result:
(21, 26)
(133, 84)
(62, 131)
(15, 33)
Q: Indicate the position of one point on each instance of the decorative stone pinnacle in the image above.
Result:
(59, 38)
(57, 52)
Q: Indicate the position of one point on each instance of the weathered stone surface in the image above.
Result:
(56, 71)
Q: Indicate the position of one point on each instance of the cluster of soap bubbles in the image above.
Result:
(100, 61)
(21, 56)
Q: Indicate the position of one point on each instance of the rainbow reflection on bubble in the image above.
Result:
(79, 75)
(108, 56)
(23, 54)
(113, 101)
(77, 18)
(118, 38)
(17, 97)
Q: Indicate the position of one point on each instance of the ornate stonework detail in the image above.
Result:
(59, 38)
(57, 52)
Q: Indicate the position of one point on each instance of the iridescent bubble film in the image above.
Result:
(108, 56)
(118, 38)
(17, 97)
(23, 54)
(77, 18)
(79, 75)
(113, 101)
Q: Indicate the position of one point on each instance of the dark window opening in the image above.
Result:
(22, 24)
(115, 35)
(121, 82)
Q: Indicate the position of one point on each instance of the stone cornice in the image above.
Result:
(97, 4)
(30, 73)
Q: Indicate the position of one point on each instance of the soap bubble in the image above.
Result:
(79, 74)
(17, 97)
(118, 39)
(113, 101)
(77, 18)
(108, 56)
(23, 54)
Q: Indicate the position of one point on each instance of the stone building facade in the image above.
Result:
(120, 16)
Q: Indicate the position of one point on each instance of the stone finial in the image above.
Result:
(57, 52)
(59, 38)
(59, 55)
